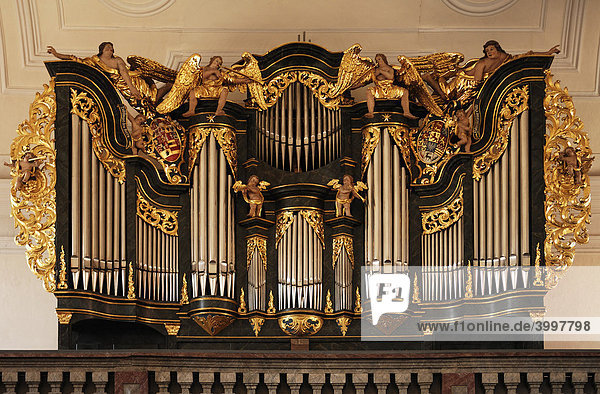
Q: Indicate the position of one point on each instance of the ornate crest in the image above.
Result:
(432, 141)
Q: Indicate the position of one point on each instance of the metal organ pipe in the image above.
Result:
(524, 183)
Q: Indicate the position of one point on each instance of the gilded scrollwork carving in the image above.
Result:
(370, 139)
(172, 328)
(33, 204)
(284, 221)
(343, 323)
(445, 216)
(62, 273)
(197, 136)
(87, 109)
(256, 323)
(347, 243)
(567, 204)
(300, 324)
(162, 219)
(184, 298)
(259, 244)
(315, 219)
(514, 104)
(225, 137)
(213, 323)
(64, 317)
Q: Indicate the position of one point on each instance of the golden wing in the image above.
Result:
(249, 68)
(334, 183)
(360, 186)
(262, 185)
(442, 64)
(407, 75)
(151, 69)
(586, 164)
(354, 71)
(238, 186)
(188, 77)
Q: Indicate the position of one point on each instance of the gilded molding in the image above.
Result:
(357, 305)
(64, 317)
(514, 104)
(213, 323)
(567, 204)
(345, 241)
(315, 219)
(271, 305)
(328, 304)
(184, 299)
(62, 275)
(130, 283)
(33, 203)
(242, 309)
(370, 139)
(442, 218)
(256, 243)
(172, 328)
(283, 222)
(300, 324)
(165, 221)
(343, 323)
(256, 323)
(87, 109)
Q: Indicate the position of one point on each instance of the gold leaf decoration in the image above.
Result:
(567, 204)
(213, 323)
(271, 305)
(283, 222)
(130, 283)
(300, 324)
(357, 305)
(256, 323)
(442, 218)
(416, 298)
(225, 137)
(197, 138)
(328, 303)
(162, 219)
(87, 109)
(62, 275)
(33, 204)
(514, 104)
(469, 284)
(348, 244)
(172, 328)
(242, 308)
(259, 244)
(370, 139)
(184, 292)
(315, 219)
(64, 317)
(343, 323)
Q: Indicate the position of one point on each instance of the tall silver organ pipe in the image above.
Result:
(299, 262)
(343, 282)
(500, 200)
(98, 261)
(257, 279)
(386, 211)
(213, 246)
(298, 133)
(442, 256)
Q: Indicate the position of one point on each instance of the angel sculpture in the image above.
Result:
(573, 166)
(24, 167)
(252, 193)
(464, 130)
(346, 193)
(212, 81)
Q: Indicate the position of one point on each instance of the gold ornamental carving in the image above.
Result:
(567, 204)
(538, 269)
(197, 137)
(343, 323)
(370, 139)
(165, 221)
(300, 324)
(341, 242)
(357, 304)
(283, 222)
(315, 220)
(212, 323)
(537, 316)
(33, 192)
(256, 323)
(130, 283)
(225, 137)
(254, 244)
(184, 299)
(469, 284)
(328, 304)
(87, 109)
(271, 305)
(401, 136)
(442, 218)
(62, 274)
(514, 104)
(64, 317)
(172, 328)
(242, 309)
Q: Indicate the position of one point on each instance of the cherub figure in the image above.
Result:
(464, 130)
(25, 167)
(137, 132)
(252, 193)
(571, 163)
(346, 193)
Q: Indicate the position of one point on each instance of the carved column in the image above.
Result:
(272, 381)
(338, 380)
(228, 382)
(33, 381)
(100, 380)
(206, 381)
(557, 380)
(294, 380)
(535, 380)
(381, 380)
(511, 381)
(425, 380)
(251, 380)
(579, 381)
(185, 380)
(316, 380)
(403, 381)
(55, 380)
(78, 381)
(360, 381)
(163, 379)
(489, 381)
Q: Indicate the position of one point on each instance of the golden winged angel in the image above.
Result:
(211, 81)
(252, 193)
(346, 193)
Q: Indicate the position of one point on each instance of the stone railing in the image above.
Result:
(299, 373)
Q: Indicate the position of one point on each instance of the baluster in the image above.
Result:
(511, 381)
(489, 381)
(55, 381)
(163, 379)
(10, 380)
(78, 381)
(557, 382)
(579, 381)
(33, 382)
(360, 381)
(403, 381)
(381, 380)
(251, 380)
(272, 381)
(206, 380)
(425, 379)
(337, 381)
(100, 379)
(535, 380)
(185, 380)
(294, 380)
(228, 382)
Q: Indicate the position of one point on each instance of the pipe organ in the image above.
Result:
(250, 227)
